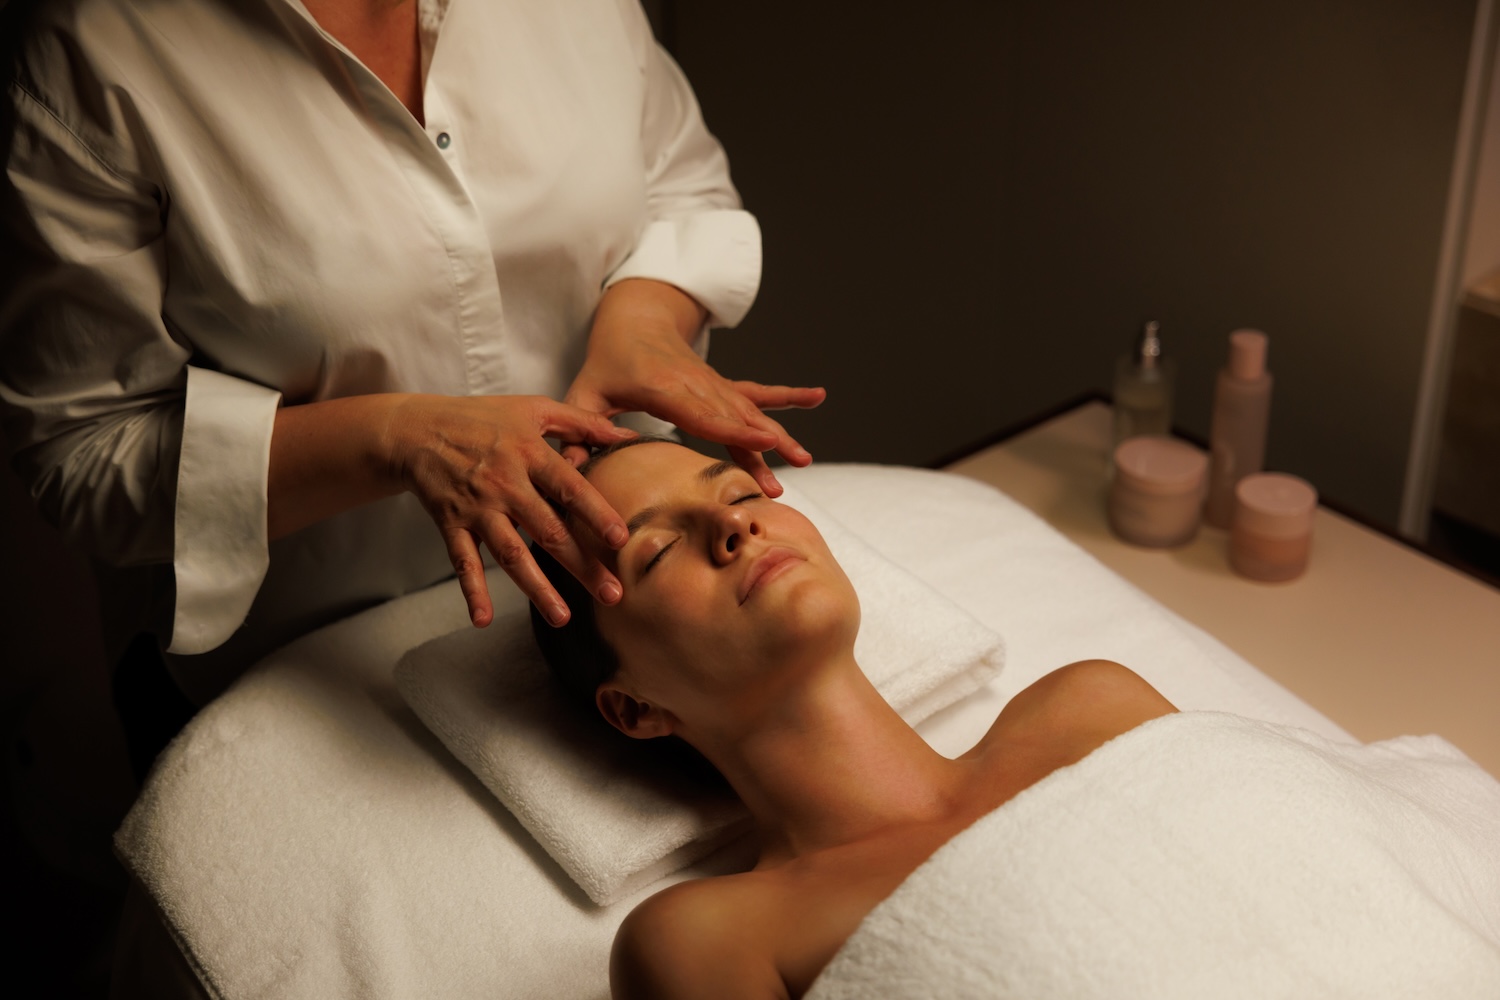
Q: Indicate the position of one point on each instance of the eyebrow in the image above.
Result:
(707, 474)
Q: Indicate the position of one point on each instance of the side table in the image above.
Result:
(1375, 635)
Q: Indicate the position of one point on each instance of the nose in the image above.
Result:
(734, 526)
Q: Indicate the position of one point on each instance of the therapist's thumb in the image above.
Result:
(590, 400)
(575, 424)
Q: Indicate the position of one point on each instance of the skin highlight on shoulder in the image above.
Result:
(691, 940)
(1067, 714)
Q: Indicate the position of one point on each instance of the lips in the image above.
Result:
(769, 563)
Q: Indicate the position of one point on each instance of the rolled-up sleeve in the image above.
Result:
(220, 552)
(697, 236)
(136, 456)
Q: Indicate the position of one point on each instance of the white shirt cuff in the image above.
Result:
(220, 541)
(714, 256)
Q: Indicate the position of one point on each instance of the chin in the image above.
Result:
(812, 617)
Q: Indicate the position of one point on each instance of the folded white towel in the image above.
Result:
(604, 806)
(1205, 854)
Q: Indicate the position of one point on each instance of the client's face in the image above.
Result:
(727, 593)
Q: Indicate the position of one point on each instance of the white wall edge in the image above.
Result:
(1432, 388)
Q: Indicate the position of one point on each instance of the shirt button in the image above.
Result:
(444, 140)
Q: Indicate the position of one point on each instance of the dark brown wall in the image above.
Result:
(968, 206)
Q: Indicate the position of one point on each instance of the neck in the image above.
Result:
(833, 763)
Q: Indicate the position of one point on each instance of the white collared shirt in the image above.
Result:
(220, 210)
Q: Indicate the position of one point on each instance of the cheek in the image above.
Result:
(663, 635)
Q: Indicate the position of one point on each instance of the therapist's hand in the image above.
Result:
(639, 358)
(481, 468)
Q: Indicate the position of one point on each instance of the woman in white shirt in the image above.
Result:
(298, 280)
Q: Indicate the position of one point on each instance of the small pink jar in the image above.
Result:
(1270, 538)
(1156, 498)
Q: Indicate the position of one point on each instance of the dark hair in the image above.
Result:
(575, 652)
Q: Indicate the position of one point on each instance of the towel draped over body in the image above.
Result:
(1206, 854)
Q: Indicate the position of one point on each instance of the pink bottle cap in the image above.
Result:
(1160, 466)
(1274, 505)
(1247, 354)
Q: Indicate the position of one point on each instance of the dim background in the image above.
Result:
(968, 208)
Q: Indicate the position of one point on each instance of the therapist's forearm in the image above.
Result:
(643, 304)
(328, 457)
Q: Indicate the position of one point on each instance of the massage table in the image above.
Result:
(308, 835)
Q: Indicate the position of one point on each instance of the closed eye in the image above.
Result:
(665, 548)
(657, 558)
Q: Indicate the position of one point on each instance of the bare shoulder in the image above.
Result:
(696, 939)
(1101, 688)
(1078, 707)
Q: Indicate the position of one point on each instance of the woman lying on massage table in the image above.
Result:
(736, 634)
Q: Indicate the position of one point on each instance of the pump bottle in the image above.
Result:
(1143, 388)
(1237, 433)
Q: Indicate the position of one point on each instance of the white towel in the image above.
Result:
(1204, 855)
(602, 805)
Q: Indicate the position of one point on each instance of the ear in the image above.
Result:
(635, 718)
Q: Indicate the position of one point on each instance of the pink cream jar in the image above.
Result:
(1271, 535)
(1156, 498)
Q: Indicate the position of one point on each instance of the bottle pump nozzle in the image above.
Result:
(1148, 348)
(1143, 387)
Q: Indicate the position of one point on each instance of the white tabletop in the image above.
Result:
(1379, 637)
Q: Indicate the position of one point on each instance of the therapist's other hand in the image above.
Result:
(639, 358)
(481, 468)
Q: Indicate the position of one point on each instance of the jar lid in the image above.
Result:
(1160, 466)
(1275, 505)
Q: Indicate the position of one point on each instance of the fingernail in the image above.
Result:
(775, 483)
(616, 535)
(610, 592)
(558, 615)
(804, 453)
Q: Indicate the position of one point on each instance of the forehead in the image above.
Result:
(647, 473)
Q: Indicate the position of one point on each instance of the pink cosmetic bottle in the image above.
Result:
(1237, 435)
